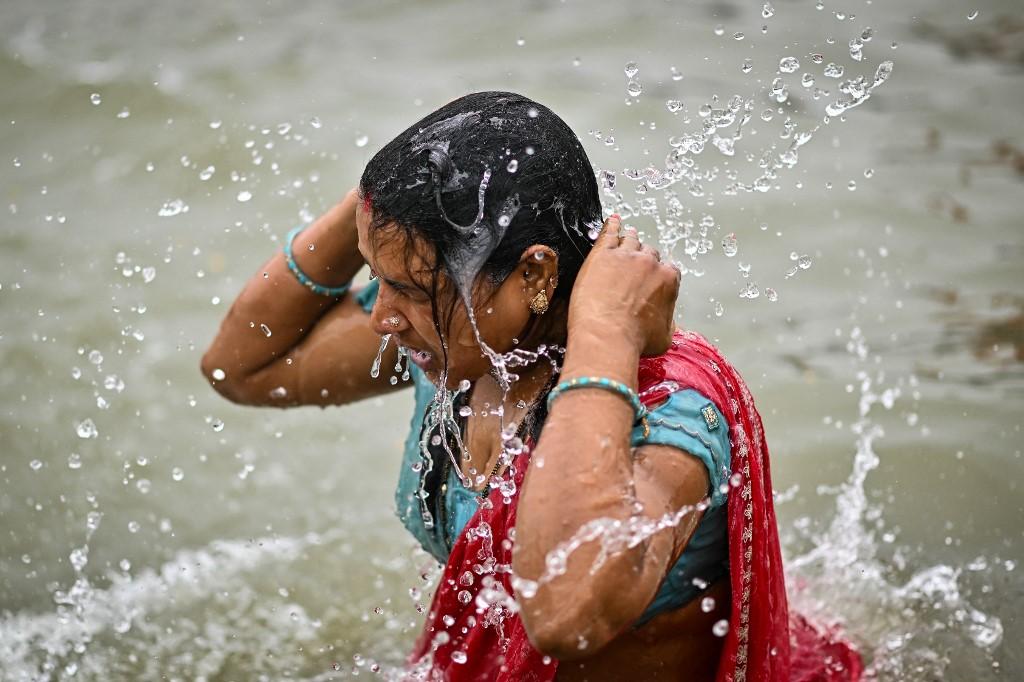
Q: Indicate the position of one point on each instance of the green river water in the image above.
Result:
(152, 155)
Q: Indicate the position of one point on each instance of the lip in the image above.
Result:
(421, 358)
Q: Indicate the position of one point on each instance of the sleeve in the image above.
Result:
(367, 296)
(687, 420)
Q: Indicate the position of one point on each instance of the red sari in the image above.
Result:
(474, 633)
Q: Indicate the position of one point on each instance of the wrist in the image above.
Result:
(327, 251)
(597, 350)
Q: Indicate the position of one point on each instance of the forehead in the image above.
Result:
(391, 249)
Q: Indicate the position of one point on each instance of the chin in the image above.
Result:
(455, 377)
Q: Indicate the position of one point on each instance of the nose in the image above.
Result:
(386, 320)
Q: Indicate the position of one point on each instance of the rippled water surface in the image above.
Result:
(152, 155)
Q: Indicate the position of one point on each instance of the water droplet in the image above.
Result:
(676, 75)
(265, 329)
(217, 425)
(747, 66)
(972, 16)
(631, 69)
(74, 461)
(807, 80)
(789, 64)
(459, 656)
(362, 140)
(375, 367)
(719, 309)
(206, 173)
(721, 628)
(767, 11)
(707, 604)
(729, 245)
(95, 98)
(882, 73)
(218, 374)
(172, 208)
(833, 70)
(177, 474)
(771, 294)
(86, 429)
(674, 106)
(803, 262)
(244, 196)
(738, 35)
(750, 291)
(513, 166)
(124, 113)
(719, 30)
(634, 88)
(133, 526)
(35, 465)
(465, 411)
(520, 41)
(851, 185)
(315, 122)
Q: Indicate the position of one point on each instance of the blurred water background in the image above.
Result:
(153, 154)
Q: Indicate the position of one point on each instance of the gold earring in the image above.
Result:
(539, 304)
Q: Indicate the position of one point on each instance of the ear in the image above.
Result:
(538, 271)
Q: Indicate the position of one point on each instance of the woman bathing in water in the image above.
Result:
(593, 479)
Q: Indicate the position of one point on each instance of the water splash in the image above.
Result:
(74, 639)
(842, 573)
(375, 367)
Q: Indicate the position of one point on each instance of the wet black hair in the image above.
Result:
(482, 179)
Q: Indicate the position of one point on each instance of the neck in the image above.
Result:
(543, 330)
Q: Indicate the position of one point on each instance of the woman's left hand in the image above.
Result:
(625, 289)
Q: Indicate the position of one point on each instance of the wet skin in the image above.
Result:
(621, 308)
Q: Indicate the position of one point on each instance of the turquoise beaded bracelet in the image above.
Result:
(607, 384)
(302, 277)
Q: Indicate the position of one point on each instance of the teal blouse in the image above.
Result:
(679, 422)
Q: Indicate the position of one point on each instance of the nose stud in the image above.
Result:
(393, 321)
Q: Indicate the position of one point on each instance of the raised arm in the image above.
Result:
(585, 469)
(283, 345)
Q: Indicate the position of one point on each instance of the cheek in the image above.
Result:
(503, 319)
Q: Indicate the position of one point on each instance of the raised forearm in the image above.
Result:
(274, 311)
(584, 447)
(582, 468)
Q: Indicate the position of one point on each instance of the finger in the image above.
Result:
(609, 237)
(630, 238)
(651, 251)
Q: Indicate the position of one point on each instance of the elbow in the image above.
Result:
(567, 636)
